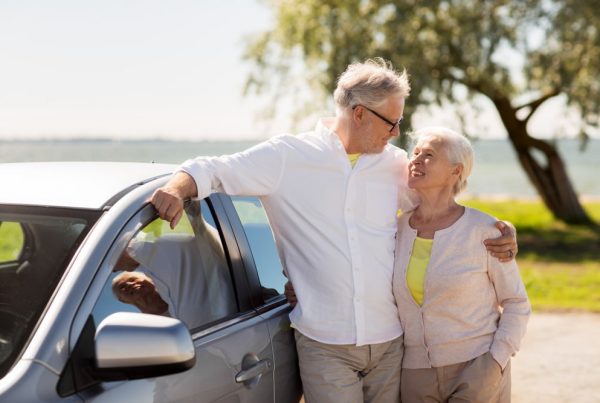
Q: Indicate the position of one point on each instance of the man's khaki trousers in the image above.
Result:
(349, 373)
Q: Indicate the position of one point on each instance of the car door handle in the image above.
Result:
(254, 371)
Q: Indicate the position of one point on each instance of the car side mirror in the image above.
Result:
(137, 345)
(127, 345)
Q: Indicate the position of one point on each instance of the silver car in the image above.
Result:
(101, 301)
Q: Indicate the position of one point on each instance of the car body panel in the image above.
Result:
(50, 343)
(30, 381)
(260, 330)
(218, 358)
(93, 189)
(287, 384)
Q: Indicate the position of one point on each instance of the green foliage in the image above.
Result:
(520, 51)
(159, 227)
(541, 237)
(11, 241)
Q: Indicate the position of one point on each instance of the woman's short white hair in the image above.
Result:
(370, 84)
(458, 148)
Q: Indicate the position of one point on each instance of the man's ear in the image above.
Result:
(358, 113)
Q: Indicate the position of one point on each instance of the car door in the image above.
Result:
(234, 355)
(257, 245)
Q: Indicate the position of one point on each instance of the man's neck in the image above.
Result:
(340, 128)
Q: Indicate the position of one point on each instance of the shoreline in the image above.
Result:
(504, 197)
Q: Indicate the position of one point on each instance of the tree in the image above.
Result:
(454, 51)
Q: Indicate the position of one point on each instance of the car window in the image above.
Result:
(260, 237)
(181, 272)
(36, 246)
(11, 241)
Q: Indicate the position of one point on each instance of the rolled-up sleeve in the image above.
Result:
(516, 309)
(256, 171)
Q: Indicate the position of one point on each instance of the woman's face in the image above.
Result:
(429, 166)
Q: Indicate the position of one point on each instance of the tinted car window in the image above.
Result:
(11, 241)
(37, 245)
(259, 234)
(181, 272)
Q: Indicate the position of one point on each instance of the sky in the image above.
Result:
(127, 68)
(145, 69)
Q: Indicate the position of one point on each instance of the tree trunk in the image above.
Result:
(550, 176)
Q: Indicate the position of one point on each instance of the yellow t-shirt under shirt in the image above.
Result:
(417, 267)
(353, 158)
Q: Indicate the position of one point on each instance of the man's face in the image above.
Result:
(375, 133)
(133, 287)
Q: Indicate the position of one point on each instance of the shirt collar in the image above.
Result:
(323, 130)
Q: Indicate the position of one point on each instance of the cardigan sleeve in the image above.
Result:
(516, 309)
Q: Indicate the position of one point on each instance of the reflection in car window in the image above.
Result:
(181, 272)
(31, 266)
(258, 231)
(11, 241)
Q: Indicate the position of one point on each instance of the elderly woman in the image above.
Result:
(463, 312)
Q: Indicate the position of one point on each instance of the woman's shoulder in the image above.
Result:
(477, 219)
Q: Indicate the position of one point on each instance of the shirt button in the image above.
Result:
(355, 268)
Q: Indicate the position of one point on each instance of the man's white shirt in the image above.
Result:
(190, 275)
(334, 226)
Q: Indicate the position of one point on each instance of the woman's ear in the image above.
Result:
(457, 170)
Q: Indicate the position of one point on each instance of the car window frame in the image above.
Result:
(257, 298)
(237, 251)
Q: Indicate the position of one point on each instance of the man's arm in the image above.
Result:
(126, 262)
(504, 248)
(253, 172)
(168, 200)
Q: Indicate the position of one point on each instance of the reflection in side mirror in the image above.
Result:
(136, 345)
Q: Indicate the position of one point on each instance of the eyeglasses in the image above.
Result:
(389, 122)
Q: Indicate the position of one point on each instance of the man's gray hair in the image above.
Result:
(458, 148)
(370, 84)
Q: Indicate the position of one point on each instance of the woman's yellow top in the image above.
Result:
(417, 267)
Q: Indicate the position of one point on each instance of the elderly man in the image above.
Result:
(180, 275)
(138, 289)
(331, 196)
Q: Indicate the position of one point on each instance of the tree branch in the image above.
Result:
(534, 105)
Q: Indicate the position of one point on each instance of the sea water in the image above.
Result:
(497, 172)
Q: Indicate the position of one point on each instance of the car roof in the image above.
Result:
(88, 185)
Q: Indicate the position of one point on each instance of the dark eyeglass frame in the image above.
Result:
(389, 122)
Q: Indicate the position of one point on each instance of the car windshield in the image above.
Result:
(36, 246)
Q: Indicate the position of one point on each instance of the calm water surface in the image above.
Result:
(496, 173)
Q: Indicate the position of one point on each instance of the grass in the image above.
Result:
(11, 241)
(560, 263)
